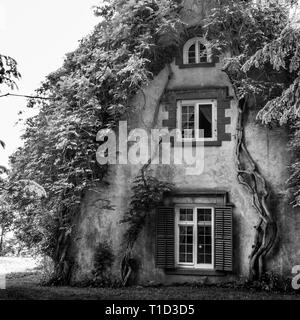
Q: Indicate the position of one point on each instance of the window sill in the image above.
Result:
(197, 65)
(194, 272)
(193, 143)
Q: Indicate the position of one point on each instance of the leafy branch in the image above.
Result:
(93, 90)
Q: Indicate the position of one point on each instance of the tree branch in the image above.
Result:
(24, 96)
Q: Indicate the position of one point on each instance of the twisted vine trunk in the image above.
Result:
(249, 176)
(63, 262)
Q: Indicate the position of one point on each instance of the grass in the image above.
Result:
(26, 285)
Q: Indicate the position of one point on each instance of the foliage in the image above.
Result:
(243, 29)
(273, 282)
(266, 66)
(91, 91)
(46, 269)
(265, 61)
(23, 193)
(8, 75)
(103, 260)
(147, 194)
(270, 282)
(8, 71)
(6, 223)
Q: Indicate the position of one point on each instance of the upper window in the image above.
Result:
(197, 119)
(196, 51)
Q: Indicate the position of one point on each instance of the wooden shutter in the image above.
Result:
(223, 238)
(165, 237)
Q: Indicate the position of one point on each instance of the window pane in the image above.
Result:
(202, 53)
(189, 258)
(186, 215)
(192, 54)
(186, 243)
(204, 236)
(205, 119)
(188, 121)
(204, 214)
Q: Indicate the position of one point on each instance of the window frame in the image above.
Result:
(178, 223)
(196, 103)
(196, 41)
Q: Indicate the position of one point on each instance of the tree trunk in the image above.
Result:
(1, 242)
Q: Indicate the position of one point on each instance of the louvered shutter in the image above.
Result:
(223, 238)
(165, 237)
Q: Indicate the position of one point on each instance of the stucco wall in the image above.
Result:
(102, 209)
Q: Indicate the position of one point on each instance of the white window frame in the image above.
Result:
(196, 41)
(196, 103)
(194, 264)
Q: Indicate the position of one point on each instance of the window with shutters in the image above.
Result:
(195, 234)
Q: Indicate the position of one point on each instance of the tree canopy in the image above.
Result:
(265, 64)
(8, 75)
(91, 91)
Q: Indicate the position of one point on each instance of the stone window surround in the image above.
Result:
(171, 97)
(193, 197)
(196, 104)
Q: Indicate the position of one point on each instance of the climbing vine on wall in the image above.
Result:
(147, 194)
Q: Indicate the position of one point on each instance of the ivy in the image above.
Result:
(147, 195)
(91, 91)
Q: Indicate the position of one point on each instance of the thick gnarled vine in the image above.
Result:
(249, 176)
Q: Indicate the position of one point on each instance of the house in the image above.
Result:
(205, 231)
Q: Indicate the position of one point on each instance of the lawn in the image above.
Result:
(23, 283)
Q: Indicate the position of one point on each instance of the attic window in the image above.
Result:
(196, 51)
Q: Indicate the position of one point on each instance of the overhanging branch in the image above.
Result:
(24, 96)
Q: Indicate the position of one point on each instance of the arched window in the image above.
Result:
(196, 50)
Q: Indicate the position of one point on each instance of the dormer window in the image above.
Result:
(196, 51)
